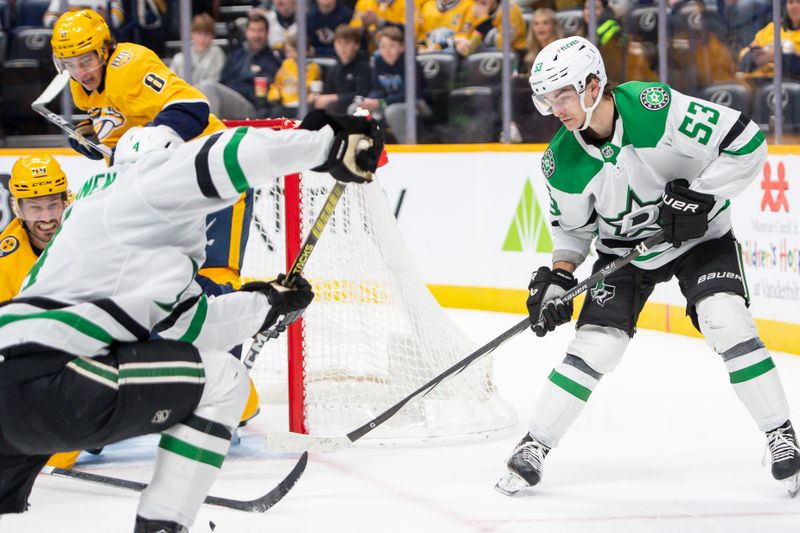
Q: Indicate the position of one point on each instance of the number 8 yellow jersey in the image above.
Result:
(137, 87)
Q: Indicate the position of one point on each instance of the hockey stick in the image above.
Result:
(297, 267)
(54, 89)
(259, 505)
(298, 441)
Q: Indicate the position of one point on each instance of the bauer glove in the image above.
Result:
(356, 148)
(684, 213)
(545, 309)
(286, 303)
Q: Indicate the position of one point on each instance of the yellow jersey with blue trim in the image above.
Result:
(137, 86)
(16, 258)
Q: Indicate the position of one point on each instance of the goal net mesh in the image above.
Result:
(374, 333)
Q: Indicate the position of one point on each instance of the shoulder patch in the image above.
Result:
(548, 163)
(654, 98)
(8, 246)
(121, 59)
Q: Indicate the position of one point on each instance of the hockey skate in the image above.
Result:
(144, 525)
(785, 454)
(524, 466)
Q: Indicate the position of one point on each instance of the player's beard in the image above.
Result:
(42, 230)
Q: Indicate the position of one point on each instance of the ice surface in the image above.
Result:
(664, 445)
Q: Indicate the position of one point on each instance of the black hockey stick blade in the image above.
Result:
(295, 441)
(259, 505)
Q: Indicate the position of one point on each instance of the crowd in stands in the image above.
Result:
(244, 56)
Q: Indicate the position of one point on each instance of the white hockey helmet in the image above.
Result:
(141, 140)
(564, 62)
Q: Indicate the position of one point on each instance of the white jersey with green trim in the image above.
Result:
(125, 256)
(613, 192)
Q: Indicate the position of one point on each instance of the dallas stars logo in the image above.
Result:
(654, 98)
(638, 216)
(548, 163)
(602, 292)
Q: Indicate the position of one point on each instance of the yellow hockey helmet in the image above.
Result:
(36, 175)
(78, 32)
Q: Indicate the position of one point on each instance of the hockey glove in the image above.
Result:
(285, 302)
(684, 213)
(85, 129)
(356, 148)
(545, 309)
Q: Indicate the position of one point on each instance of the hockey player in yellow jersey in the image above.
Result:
(38, 189)
(122, 85)
(39, 195)
(443, 21)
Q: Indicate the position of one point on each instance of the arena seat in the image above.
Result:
(733, 95)
(764, 106)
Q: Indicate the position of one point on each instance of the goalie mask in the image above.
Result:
(138, 141)
(563, 63)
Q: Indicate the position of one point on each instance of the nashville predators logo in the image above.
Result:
(8, 245)
(121, 59)
(106, 120)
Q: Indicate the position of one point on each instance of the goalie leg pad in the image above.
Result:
(730, 331)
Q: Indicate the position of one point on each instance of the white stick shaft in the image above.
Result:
(53, 90)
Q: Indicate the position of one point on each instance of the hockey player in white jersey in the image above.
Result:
(78, 366)
(628, 162)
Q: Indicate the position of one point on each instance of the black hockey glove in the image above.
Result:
(545, 310)
(285, 302)
(356, 148)
(684, 213)
(86, 130)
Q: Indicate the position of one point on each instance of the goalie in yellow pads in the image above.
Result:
(122, 85)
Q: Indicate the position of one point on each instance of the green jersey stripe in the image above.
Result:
(231, 160)
(126, 373)
(77, 322)
(572, 387)
(751, 146)
(191, 452)
(752, 371)
(199, 318)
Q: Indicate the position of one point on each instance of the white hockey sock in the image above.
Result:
(562, 399)
(187, 463)
(757, 383)
(730, 330)
(191, 453)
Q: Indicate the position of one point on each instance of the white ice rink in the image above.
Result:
(663, 446)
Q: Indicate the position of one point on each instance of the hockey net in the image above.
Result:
(374, 332)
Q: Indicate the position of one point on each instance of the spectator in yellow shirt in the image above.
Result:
(486, 21)
(283, 92)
